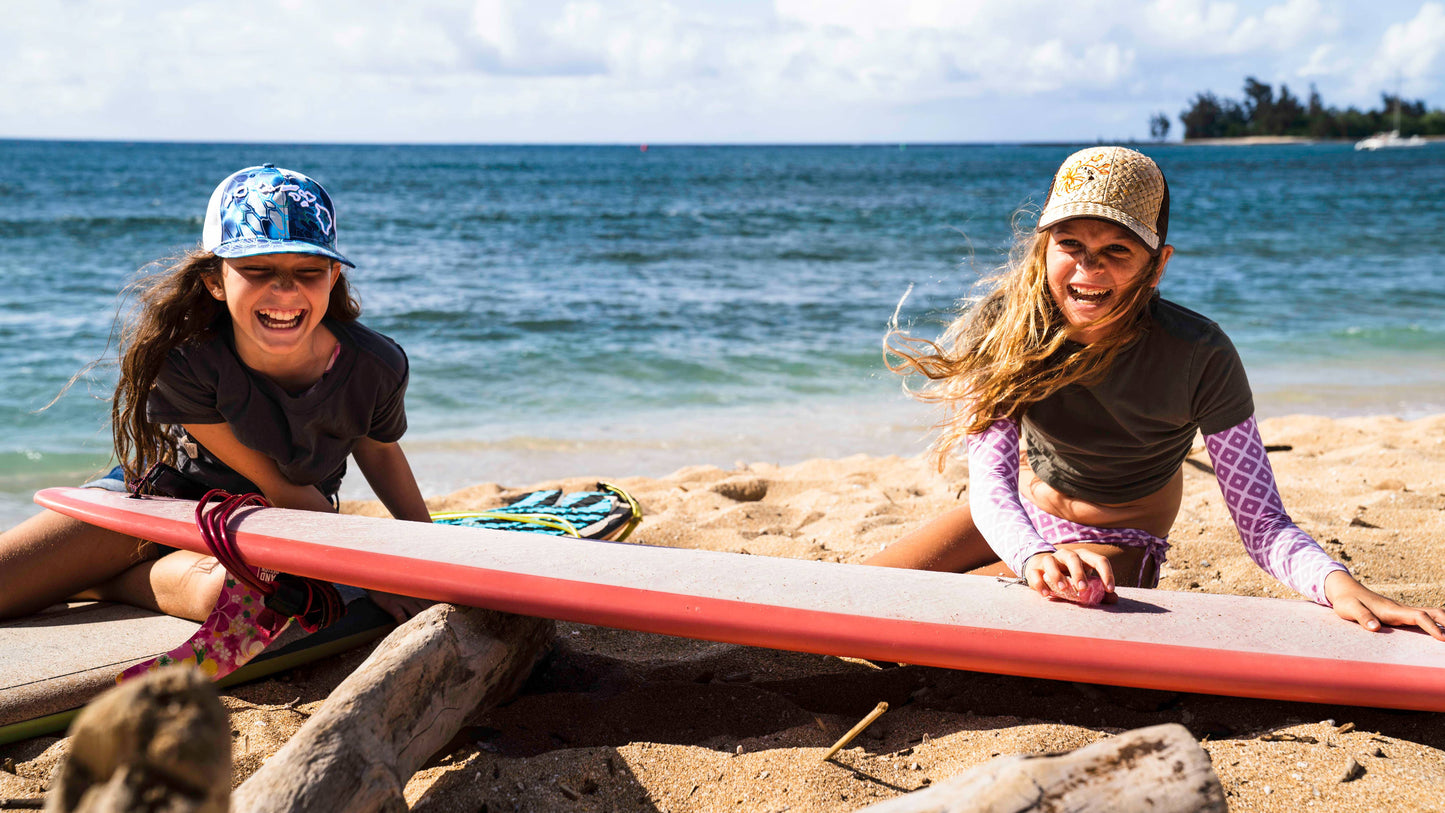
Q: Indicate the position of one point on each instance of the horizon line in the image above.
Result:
(900, 144)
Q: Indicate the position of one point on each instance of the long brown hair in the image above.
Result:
(1009, 347)
(174, 308)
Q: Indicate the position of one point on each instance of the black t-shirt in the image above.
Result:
(308, 435)
(1126, 436)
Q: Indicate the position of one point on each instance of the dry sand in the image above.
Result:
(630, 721)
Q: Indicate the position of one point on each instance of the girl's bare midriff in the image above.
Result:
(1154, 513)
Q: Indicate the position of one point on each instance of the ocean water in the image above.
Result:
(606, 311)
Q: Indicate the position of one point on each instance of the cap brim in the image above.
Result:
(1069, 211)
(252, 247)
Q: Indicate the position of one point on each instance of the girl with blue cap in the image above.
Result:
(1078, 391)
(245, 369)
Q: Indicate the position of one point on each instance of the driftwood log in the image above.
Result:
(160, 743)
(1160, 769)
(406, 701)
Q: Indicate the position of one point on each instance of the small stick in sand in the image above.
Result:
(856, 730)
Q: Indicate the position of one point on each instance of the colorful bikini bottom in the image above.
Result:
(1060, 531)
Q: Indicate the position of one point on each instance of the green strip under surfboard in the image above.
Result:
(85, 645)
(364, 622)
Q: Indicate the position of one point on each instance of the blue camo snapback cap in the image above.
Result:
(269, 210)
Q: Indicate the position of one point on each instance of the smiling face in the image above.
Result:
(276, 302)
(1091, 265)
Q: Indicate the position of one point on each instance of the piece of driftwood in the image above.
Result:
(1160, 769)
(381, 724)
(158, 743)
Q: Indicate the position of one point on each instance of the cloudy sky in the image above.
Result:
(652, 71)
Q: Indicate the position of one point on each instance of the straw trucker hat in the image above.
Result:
(268, 210)
(1116, 184)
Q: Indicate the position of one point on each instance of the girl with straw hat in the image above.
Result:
(1078, 390)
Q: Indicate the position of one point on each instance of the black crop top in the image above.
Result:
(308, 435)
(1126, 436)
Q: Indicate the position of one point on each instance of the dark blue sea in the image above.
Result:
(606, 311)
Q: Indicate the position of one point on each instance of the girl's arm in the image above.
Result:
(258, 468)
(993, 499)
(1270, 537)
(1287, 553)
(390, 483)
(389, 475)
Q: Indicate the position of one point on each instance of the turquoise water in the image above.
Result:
(604, 311)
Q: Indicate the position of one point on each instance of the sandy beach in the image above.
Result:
(627, 721)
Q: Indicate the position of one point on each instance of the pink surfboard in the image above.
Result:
(1193, 642)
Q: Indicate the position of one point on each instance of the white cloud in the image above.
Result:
(1411, 51)
(1322, 62)
(880, 16)
(1295, 22)
(1052, 65)
(545, 39)
(477, 70)
(1406, 55)
(955, 49)
(1204, 27)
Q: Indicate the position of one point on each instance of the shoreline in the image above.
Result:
(631, 721)
(659, 444)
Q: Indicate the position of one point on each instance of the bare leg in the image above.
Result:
(182, 584)
(951, 543)
(51, 557)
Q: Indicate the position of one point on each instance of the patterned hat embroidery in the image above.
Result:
(254, 211)
(269, 210)
(1115, 184)
(1077, 173)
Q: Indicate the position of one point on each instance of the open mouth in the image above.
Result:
(280, 320)
(1090, 295)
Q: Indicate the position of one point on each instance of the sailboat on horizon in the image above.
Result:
(1392, 139)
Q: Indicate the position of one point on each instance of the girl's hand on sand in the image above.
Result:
(1083, 577)
(1355, 602)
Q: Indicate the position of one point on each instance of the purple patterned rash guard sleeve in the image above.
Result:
(1270, 537)
(993, 495)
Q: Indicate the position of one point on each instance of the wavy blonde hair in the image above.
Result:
(1009, 347)
(174, 308)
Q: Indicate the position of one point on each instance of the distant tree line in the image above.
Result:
(1262, 113)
